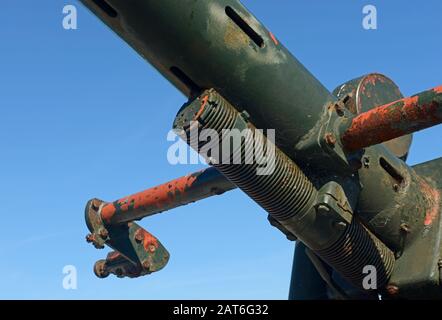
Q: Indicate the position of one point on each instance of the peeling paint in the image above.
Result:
(172, 194)
(160, 196)
(394, 120)
(432, 197)
(272, 36)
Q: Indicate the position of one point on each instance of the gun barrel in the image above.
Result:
(394, 120)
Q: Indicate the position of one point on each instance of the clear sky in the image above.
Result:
(75, 104)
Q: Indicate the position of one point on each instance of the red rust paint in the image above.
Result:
(394, 120)
(203, 105)
(161, 197)
(432, 197)
(371, 79)
(272, 36)
(149, 241)
(112, 256)
(368, 87)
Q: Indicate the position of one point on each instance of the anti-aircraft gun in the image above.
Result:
(339, 186)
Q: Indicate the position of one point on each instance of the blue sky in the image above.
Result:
(74, 104)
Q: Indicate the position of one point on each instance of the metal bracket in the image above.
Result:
(137, 251)
(332, 198)
(326, 221)
(330, 137)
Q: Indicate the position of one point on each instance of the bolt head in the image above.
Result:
(322, 209)
(139, 236)
(405, 228)
(100, 269)
(340, 225)
(95, 205)
(366, 162)
(90, 238)
(146, 264)
(104, 234)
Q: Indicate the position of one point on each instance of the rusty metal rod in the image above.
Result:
(394, 120)
(170, 195)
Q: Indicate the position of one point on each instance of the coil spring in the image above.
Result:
(286, 192)
(356, 249)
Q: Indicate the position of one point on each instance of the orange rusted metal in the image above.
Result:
(172, 194)
(394, 120)
(432, 198)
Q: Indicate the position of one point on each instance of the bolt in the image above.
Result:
(322, 209)
(339, 108)
(104, 234)
(90, 238)
(366, 162)
(95, 204)
(100, 269)
(330, 139)
(139, 236)
(392, 289)
(146, 264)
(340, 225)
(405, 228)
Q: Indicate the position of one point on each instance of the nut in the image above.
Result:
(139, 236)
(146, 264)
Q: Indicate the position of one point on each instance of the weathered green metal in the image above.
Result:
(322, 219)
(306, 283)
(199, 45)
(386, 206)
(417, 273)
(116, 264)
(136, 245)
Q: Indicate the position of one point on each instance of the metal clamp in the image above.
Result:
(137, 251)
